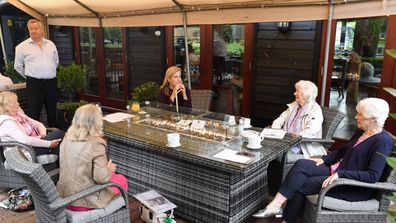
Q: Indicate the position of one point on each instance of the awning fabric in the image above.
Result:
(134, 13)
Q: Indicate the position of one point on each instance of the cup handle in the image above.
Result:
(261, 138)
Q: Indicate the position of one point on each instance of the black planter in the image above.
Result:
(65, 118)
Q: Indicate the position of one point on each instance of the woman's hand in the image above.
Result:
(55, 143)
(111, 166)
(178, 88)
(182, 88)
(318, 161)
(330, 179)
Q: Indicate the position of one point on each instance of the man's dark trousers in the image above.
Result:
(42, 92)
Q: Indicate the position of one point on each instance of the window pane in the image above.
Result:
(357, 64)
(228, 51)
(193, 34)
(88, 55)
(113, 62)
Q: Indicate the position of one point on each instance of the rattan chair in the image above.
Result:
(318, 213)
(8, 178)
(331, 119)
(48, 205)
(201, 99)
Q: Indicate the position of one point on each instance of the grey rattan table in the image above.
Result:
(205, 189)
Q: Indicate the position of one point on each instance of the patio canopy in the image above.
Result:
(134, 13)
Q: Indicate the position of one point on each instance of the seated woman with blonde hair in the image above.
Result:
(173, 90)
(84, 163)
(16, 126)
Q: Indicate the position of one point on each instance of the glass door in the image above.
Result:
(102, 51)
(194, 49)
(88, 57)
(114, 72)
(228, 56)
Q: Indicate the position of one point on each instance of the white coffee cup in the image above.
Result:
(246, 123)
(173, 139)
(231, 119)
(254, 141)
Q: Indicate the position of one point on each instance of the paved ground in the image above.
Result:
(29, 217)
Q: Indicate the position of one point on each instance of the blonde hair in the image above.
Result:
(375, 108)
(87, 121)
(169, 72)
(6, 99)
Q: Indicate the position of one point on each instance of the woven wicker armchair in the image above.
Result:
(331, 119)
(49, 206)
(318, 213)
(201, 99)
(8, 178)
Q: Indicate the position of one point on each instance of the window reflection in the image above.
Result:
(357, 63)
(88, 55)
(228, 50)
(193, 43)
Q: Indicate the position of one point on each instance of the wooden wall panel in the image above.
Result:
(145, 55)
(63, 39)
(281, 59)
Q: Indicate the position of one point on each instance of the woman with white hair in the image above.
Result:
(15, 125)
(362, 159)
(84, 163)
(303, 117)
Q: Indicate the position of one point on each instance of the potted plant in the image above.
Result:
(71, 81)
(12, 73)
(144, 92)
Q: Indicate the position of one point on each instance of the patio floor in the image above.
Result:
(29, 217)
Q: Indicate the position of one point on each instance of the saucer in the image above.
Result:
(250, 147)
(247, 127)
(172, 146)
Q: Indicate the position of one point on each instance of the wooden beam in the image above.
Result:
(22, 6)
(35, 14)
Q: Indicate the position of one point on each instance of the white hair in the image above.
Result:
(375, 108)
(308, 89)
(87, 121)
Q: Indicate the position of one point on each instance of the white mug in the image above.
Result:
(173, 139)
(231, 120)
(246, 123)
(255, 141)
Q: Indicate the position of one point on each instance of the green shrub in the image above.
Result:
(71, 79)
(145, 92)
(392, 211)
(71, 105)
(12, 73)
(235, 49)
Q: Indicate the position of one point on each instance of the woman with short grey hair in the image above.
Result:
(374, 108)
(303, 117)
(362, 159)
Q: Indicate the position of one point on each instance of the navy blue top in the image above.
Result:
(363, 163)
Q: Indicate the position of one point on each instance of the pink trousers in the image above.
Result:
(115, 178)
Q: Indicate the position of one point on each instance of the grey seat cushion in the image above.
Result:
(343, 205)
(45, 159)
(86, 216)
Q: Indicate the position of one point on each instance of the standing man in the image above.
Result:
(37, 59)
